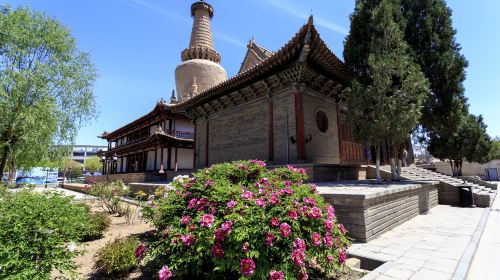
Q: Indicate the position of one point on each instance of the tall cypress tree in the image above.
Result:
(385, 103)
(430, 34)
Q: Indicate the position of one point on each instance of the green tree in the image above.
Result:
(495, 149)
(429, 32)
(93, 164)
(385, 104)
(471, 143)
(45, 88)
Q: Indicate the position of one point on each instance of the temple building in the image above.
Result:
(283, 107)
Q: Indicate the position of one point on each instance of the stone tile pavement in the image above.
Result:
(426, 247)
(486, 262)
(66, 192)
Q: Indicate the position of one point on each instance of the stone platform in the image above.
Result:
(367, 209)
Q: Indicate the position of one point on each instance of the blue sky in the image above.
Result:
(136, 45)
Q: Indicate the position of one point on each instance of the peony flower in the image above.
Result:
(258, 162)
(287, 183)
(227, 226)
(192, 203)
(269, 239)
(315, 213)
(275, 222)
(342, 229)
(219, 235)
(299, 244)
(292, 214)
(274, 198)
(191, 227)
(260, 202)
(309, 201)
(247, 195)
(209, 183)
(329, 259)
(164, 273)
(342, 257)
(217, 251)
(328, 240)
(231, 203)
(242, 166)
(201, 203)
(316, 239)
(185, 220)
(328, 225)
(330, 213)
(276, 275)
(314, 188)
(298, 257)
(265, 182)
(207, 220)
(139, 251)
(288, 191)
(187, 240)
(245, 247)
(247, 266)
(285, 230)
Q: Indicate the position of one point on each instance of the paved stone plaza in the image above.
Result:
(486, 263)
(426, 247)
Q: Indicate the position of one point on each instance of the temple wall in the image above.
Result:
(283, 106)
(184, 159)
(200, 143)
(324, 146)
(184, 125)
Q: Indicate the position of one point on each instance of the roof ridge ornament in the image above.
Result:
(306, 47)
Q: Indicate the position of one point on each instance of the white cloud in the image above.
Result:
(302, 13)
(186, 21)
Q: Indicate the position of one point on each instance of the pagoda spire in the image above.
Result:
(201, 45)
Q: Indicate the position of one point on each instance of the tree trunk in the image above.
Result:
(399, 164)
(12, 173)
(459, 173)
(377, 162)
(3, 159)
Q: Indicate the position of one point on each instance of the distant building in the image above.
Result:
(82, 152)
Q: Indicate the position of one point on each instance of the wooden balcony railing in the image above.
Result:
(181, 134)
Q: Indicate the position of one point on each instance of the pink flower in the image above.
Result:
(315, 213)
(292, 214)
(298, 257)
(302, 275)
(269, 239)
(287, 183)
(314, 188)
(192, 203)
(316, 239)
(260, 202)
(301, 171)
(245, 247)
(342, 257)
(258, 162)
(201, 203)
(265, 182)
(217, 251)
(191, 227)
(329, 259)
(309, 201)
(247, 266)
(288, 191)
(227, 226)
(231, 203)
(139, 251)
(330, 213)
(185, 220)
(274, 198)
(276, 275)
(164, 273)
(342, 229)
(242, 166)
(207, 220)
(187, 240)
(299, 244)
(209, 183)
(328, 240)
(285, 230)
(219, 235)
(275, 222)
(247, 195)
(304, 209)
(328, 225)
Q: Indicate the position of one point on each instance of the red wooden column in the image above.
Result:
(299, 125)
(206, 143)
(161, 161)
(270, 128)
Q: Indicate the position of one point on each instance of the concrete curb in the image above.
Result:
(378, 271)
(466, 259)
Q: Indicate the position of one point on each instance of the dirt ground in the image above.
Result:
(118, 228)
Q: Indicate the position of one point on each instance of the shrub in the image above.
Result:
(240, 219)
(117, 257)
(97, 224)
(109, 194)
(37, 234)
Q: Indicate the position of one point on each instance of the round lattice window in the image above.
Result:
(322, 121)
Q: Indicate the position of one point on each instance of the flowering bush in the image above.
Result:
(119, 257)
(240, 219)
(109, 194)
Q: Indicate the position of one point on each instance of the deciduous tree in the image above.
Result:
(45, 87)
